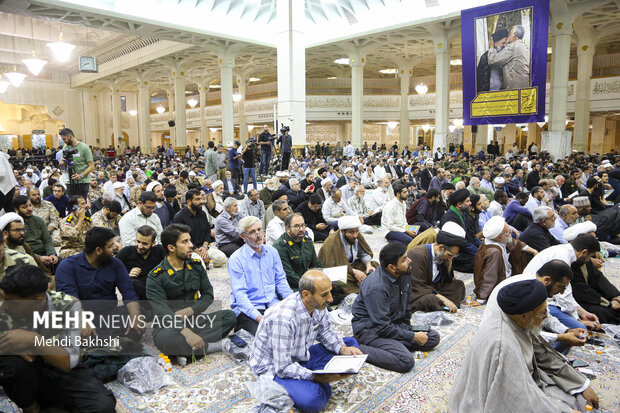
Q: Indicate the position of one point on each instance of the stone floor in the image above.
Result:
(218, 384)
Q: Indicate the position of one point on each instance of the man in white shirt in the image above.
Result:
(380, 170)
(349, 150)
(393, 217)
(563, 305)
(380, 196)
(334, 207)
(143, 214)
(276, 227)
(496, 207)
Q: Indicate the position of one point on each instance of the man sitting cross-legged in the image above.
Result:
(284, 346)
(432, 276)
(381, 314)
(36, 375)
(179, 287)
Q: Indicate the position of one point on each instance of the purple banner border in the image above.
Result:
(540, 30)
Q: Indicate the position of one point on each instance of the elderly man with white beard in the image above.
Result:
(509, 367)
(498, 257)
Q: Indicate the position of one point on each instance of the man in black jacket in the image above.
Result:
(313, 217)
(460, 204)
(489, 77)
(533, 177)
(424, 211)
(194, 217)
(537, 234)
(426, 174)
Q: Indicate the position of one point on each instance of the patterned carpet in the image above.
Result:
(216, 383)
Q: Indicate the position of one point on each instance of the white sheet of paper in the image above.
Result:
(343, 365)
(336, 275)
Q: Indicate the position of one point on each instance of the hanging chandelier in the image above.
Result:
(62, 50)
(16, 78)
(421, 89)
(192, 103)
(160, 109)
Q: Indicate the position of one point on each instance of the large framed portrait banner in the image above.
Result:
(504, 53)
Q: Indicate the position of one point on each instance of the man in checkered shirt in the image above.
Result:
(284, 348)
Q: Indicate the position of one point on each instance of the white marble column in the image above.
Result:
(227, 63)
(405, 77)
(357, 63)
(180, 105)
(292, 68)
(170, 94)
(585, 54)
(116, 114)
(242, 82)
(442, 91)
(204, 132)
(144, 116)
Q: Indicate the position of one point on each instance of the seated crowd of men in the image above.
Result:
(532, 246)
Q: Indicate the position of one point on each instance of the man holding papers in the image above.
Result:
(283, 344)
(381, 315)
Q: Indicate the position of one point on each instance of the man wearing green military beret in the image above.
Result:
(180, 292)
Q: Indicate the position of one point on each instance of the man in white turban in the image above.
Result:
(499, 257)
(347, 246)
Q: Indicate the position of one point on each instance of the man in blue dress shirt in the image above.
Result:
(257, 278)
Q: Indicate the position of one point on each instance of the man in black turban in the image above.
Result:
(432, 278)
(459, 213)
(489, 77)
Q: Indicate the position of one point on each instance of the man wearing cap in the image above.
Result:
(12, 226)
(119, 196)
(537, 234)
(499, 257)
(344, 179)
(459, 213)
(508, 366)
(432, 278)
(74, 227)
(347, 246)
(489, 77)
(382, 317)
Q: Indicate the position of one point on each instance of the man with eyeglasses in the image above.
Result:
(276, 227)
(257, 278)
(509, 367)
(143, 214)
(296, 250)
(432, 276)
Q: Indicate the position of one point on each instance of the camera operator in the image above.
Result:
(79, 160)
(286, 146)
(249, 163)
(264, 140)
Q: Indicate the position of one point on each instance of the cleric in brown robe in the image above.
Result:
(432, 277)
(347, 246)
(499, 257)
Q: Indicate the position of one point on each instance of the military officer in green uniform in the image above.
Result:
(8, 257)
(179, 289)
(74, 227)
(296, 250)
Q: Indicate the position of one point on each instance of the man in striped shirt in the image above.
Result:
(284, 348)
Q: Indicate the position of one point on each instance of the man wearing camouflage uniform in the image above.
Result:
(95, 191)
(46, 211)
(74, 227)
(8, 257)
(108, 217)
(135, 192)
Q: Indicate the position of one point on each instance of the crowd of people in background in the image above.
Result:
(91, 221)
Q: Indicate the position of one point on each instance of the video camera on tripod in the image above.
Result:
(67, 156)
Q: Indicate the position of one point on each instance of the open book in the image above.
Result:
(343, 365)
(337, 275)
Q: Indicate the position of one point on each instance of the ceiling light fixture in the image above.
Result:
(426, 127)
(15, 77)
(133, 112)
(192, 103)
(392, 124)
(4, 85)
(452, 128)
(34, 64)
(342, 61)
(456, 62)
(213, 130)
(421, 89)
(160, 109)
(332, 78)
(388, 71)
(458, 123)
(237, 97)
(254, 79)
(215, 86)
(62, 50)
